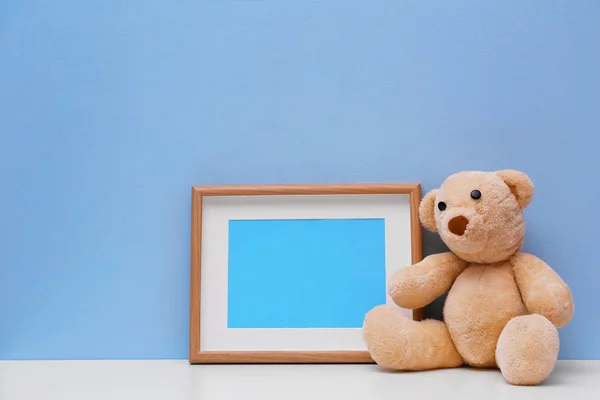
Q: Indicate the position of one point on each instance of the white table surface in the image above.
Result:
(175, 380)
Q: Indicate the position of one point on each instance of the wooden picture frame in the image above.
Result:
(203, 195)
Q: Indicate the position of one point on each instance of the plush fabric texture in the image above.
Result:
(527, 349)
(397, 342)
(503, 306)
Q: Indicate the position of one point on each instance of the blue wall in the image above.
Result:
(110, 111)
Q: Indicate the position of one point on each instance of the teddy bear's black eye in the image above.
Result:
(476, 194)
(441, 206)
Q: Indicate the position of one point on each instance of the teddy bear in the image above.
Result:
(503, 306)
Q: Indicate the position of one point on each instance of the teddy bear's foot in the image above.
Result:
(397, 342)
(527, 350)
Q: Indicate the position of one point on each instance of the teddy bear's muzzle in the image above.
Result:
(458, 225)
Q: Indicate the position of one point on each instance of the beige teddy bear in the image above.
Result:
(503, 306)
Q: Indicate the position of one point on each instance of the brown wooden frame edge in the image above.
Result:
(281, 357)
(197, 356)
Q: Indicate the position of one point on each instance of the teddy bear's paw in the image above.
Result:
(527, 350)
(384, 333)
(397, 342)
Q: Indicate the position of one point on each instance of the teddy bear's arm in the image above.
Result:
(542, 289)
(418, 285)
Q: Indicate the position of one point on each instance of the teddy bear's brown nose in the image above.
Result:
(458, 225)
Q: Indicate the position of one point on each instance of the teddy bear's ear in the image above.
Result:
(520, 185)
(427, 210)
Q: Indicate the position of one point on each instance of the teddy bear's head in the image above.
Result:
(479, 215)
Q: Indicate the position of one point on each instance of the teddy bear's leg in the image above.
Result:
(527, 350)
(398, 342)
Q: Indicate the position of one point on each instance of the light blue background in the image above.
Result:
(305, 273)
(111, 111)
